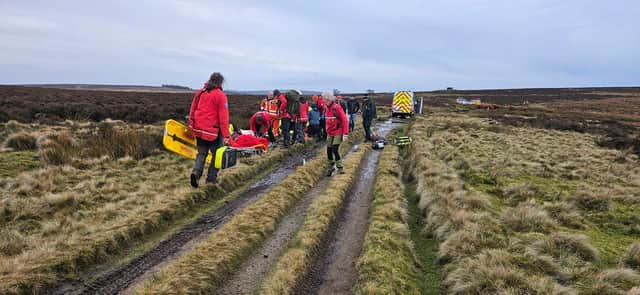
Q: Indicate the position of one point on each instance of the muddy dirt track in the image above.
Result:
(119, 279)
(251, 272)
(334, 269)
(334, 272)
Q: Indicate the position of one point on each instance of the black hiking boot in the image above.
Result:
(213, 181)
(194, 180)
(330, 171)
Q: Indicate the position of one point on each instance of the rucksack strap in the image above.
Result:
(197, 103)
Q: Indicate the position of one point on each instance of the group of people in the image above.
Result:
(289, 115)
(277, 116)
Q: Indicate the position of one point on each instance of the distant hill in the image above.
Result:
(112, 87)
(264, 92)
(146, 88)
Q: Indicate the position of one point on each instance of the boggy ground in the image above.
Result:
(527, 210)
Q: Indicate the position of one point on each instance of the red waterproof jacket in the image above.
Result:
(264, 127)
(336, 120)
(209, 115)
(304, 112)
(322, 108)
(283, 106)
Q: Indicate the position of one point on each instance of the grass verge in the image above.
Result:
(292, 265)
(387, 263)
(45, 265)
(203, 269)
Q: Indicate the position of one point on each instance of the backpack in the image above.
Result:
(293, 102)
(343, 105)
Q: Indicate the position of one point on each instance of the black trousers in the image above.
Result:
(204, 146)
(286, 127)
(323, 129)
(333, 152)
(366, 123)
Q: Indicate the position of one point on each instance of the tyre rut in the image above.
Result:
(119, 279)
(248, 276)
(334, 269)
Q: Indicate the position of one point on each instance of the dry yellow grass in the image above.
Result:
(387, 264)
(58, 220)
(524, 182)
(204, 268)
(293, 263)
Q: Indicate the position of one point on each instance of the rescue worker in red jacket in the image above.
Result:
(260, 124)
(322, 108)
(209, 122)
(286, 123)
(337, 126)
(302, 118)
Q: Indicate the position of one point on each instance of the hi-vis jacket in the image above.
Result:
(336, 120)
(209, 115)
(270, 106)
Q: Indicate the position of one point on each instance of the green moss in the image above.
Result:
(620, 218)
(13, 163)
(426, 249)
(544, 189)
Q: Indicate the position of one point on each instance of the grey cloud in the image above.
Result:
(351, 45)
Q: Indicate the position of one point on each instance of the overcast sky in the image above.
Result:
(349, 45)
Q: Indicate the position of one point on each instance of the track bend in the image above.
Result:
(119, 279)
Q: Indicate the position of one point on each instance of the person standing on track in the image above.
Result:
(368, 114)
(322, 108)
(314, 122)
(301, 120)
(337, 126)
(353, 107)
(209, 122)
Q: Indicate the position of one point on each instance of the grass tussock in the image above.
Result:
(64, 219)
(387, 264)
(22, 141)
(617, 281)
(293, 263)
(559, 205)
(496, 272)
(59, 149)
(527, 217)
(108, 141)
(590, 200)
(632, 257)
(204, 268)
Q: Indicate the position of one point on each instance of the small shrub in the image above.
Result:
(528, 217)
(588, 200)
(632, 257)
(22, 141)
